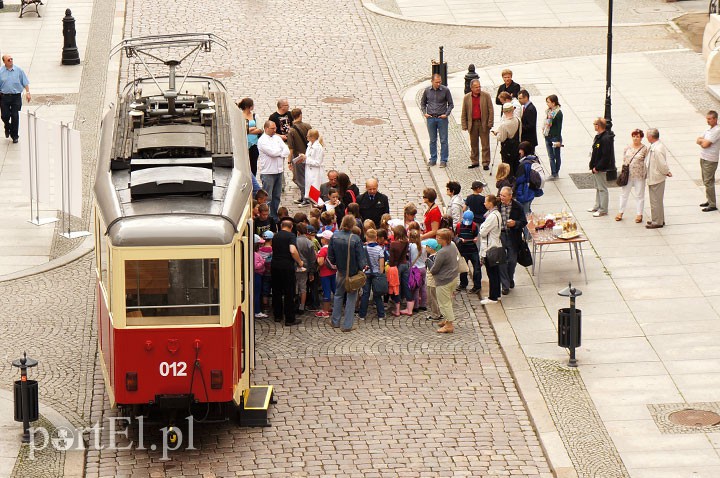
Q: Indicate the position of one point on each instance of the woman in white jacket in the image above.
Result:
(314, 159)
(490, 236)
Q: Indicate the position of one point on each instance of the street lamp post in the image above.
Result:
(608, 69)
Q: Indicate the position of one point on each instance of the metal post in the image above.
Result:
(573, 329)
(70, 53)
(608, 69)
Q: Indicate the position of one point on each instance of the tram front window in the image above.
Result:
(185, 288)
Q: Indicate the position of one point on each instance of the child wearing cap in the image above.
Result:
(259, 267)
(266, 253)
(327, 274)
(467, 233)
(431, 247)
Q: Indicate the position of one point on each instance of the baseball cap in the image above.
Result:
(310, 229)
(268, 235)
(432, 244)
(478, 185)
(327, 234)
(508, 106)
(258, 239)
(468, 217)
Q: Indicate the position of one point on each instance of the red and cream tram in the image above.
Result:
(174, 246)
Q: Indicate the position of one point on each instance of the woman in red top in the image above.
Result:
(433, 214)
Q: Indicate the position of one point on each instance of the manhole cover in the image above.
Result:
(48, 99)
(368, 121)
(220, 74)
(478, 46)
(337, 100)
(658, 9)
(694, 418)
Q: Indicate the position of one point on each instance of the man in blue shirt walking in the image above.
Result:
(12, 81)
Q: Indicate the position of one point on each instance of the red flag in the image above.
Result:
(314, 194)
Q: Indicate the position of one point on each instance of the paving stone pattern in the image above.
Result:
(45, 463)
(391, 398)
(88, 114)
(586, 439)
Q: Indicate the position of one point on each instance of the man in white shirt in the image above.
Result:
(657, 173)
(709, 159)
(273, 152)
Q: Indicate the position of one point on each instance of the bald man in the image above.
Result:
(373, 204)
(12, 82)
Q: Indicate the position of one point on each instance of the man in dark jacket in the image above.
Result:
(373, 204)
(602, 160)
(529, 118)
(513, 223)
(343, 241)
(508, 85)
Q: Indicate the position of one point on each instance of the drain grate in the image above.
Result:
(337, 100)
(368, 121)
(695, 418)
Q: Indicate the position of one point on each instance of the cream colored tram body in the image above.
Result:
(174, 251)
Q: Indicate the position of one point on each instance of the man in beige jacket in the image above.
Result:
(657, 173)
(477, 120)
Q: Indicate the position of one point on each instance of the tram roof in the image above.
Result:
(172, 219)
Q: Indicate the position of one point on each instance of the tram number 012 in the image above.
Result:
(176, 369)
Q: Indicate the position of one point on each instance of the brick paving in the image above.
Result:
(390, 399)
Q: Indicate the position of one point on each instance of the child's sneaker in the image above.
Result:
(322, 313)
(260, 315)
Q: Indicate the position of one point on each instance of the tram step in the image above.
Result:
(255, 404)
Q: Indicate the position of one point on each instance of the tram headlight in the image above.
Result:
(216, 379)
(131, 381)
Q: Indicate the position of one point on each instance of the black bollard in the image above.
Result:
(2, 4)
(70, 53)
(469, 76)
(28, 401)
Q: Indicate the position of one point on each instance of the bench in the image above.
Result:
(27, 4)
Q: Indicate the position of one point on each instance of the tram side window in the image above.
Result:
(172, 288)
(103, 255)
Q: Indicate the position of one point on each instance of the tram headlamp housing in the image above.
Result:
(216, 379)
(131, 381)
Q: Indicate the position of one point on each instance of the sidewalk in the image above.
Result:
(651, 321)
(36, 46)
(535, 13)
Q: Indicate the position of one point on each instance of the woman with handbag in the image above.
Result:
(445, 274)
(490, 235)
(632, 177)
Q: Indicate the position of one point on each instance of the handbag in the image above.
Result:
(462, 265)
(379, 284)
(356, 281)
(524, 256)
(624, 176)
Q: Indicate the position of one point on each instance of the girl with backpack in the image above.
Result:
(528, 183)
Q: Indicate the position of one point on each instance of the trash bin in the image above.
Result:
(33, 411)
(566, 322)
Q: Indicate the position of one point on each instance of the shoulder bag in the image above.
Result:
(356, 281)
(624, 175)
(495, 255)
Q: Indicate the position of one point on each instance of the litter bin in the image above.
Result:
(440, 68)
(33, 400)
(569, 325)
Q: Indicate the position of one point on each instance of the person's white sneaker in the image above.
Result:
(599, 214)
(487, 301)
(592, 209)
